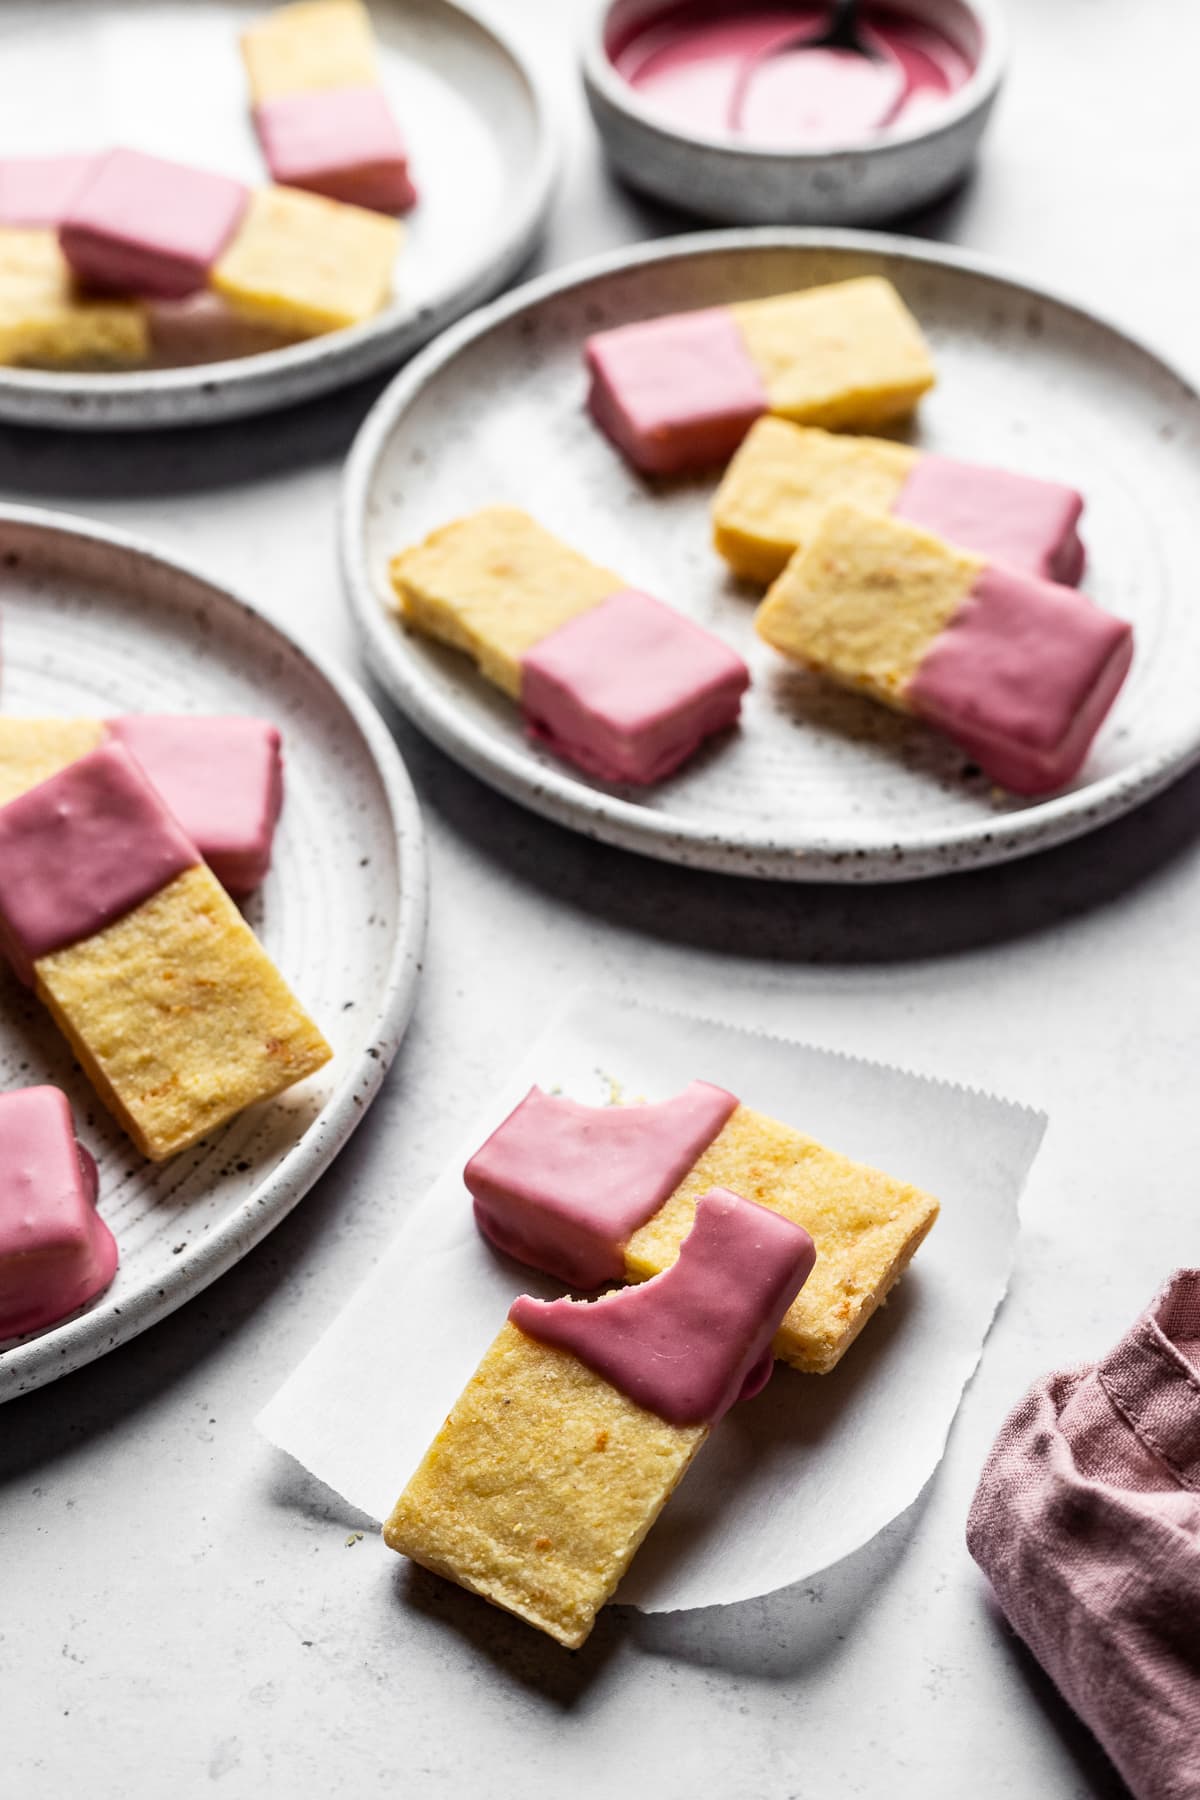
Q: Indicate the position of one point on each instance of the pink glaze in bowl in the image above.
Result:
(659, 75)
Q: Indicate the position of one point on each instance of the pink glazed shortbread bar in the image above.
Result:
(142, 225)
(170, 1003)
(592, 1194)
(222, 778)
(322, 117)
(680, 392)
(1021, 673)
(38, 190)
(56, 1252)
(784, 476)
(608, 677)
(582, 1418)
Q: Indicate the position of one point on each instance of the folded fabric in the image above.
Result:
(1087, 1524)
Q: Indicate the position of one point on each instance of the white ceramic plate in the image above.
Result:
(168, 78)
(95, 623)
(817, 784)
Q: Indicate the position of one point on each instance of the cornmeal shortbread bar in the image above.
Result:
(171, 1005)
(140, 224)
(680, 392)
(304, 264)
(222, 778)
(322, 117)
(591, 1194)
(608, 677)
(784, 477)
(582, 1418)
(47, 323)
(1021, 673)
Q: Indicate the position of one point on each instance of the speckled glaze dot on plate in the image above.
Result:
(817, 785)
(172, 82)
(96, 622)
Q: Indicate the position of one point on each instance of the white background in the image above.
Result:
(180, 1613)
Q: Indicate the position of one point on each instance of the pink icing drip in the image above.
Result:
(1023, 677)
(1012, 519)
(222, 778)
(142, 225)
(81, 850)
(341, 142)
(562, 1186)
(796, 97)
(36, 191)
(691, 1341)
(675, 393)
(630, 689)
(55, 1250)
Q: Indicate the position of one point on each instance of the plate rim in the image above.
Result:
(269, 380)
(559, 795)
(89, 1335)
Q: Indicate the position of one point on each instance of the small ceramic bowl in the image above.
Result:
(726, 179)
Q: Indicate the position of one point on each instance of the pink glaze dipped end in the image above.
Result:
(340, 142)
(1012, 519)
(55, 1250)
(142, 225)
(689, 1342)
(675, 393)
(36, 191)
(630, 689)
(222, 778)
(1023, 677)
(81, 850)
(563, 1186)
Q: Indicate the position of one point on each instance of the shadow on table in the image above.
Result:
(1104, 1783)
(821, 923)
(515, 1650)
(297, 1490)
(771, 1638)
(47, 467)
(776, 1636)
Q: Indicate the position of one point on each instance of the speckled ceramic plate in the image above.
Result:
(96, 623)
(167, 77)
(817, 784)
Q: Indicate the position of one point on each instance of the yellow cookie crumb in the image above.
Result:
(847, 355)
(45, 323)
(540, 1486)
(178, 1015)
(865, 598)
(784, 477)
(494, 584)
(31, 750)
(866, 1226)
(310, 45)
(306, 265)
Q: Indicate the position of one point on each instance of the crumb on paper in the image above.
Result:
(354, 1538)
(615, 1088)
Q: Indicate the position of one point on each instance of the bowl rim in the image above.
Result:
(602, 81)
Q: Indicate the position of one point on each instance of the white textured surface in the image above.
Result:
(815, 784)
(180, 1615)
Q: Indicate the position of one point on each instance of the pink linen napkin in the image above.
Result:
(1087, 1524)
